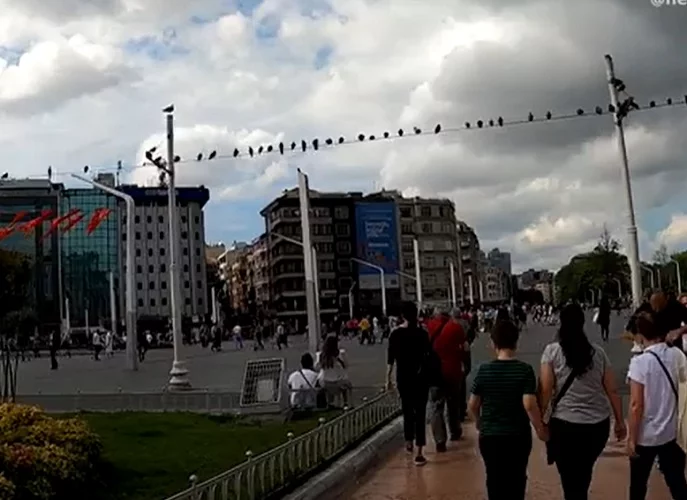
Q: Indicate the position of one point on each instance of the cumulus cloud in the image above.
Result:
(280, 70)
(675, 234)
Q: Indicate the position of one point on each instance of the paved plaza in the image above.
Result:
(224, 371)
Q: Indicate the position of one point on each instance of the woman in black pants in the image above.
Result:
(576, 386)
(408, 349)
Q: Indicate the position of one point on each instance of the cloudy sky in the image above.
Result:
(82, 82)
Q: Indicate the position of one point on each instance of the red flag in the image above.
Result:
(73, 222)
(29, 226)
(5, 232)
(57, 221)
(18, 217)
(99, 215)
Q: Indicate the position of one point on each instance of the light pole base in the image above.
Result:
(179, 377)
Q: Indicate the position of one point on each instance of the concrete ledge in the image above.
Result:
(346, 471)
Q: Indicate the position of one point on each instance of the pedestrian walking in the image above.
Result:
(603, 317)
(408, 351)
(238, 337)
(576, 386)
(503, 404)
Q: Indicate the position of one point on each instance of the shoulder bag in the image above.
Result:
(676, 393)
(551, 449)
(320, 395)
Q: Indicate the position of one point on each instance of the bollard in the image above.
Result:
(321, 421)
(249, 455)
(289, 436)
(193, 480)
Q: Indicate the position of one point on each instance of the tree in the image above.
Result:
(17, 319)
(594, 271)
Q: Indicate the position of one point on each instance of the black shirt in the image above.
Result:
(407, 349)
(666, 320)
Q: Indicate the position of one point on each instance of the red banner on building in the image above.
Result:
(57, 222)
(73, 222)
(99, 215)
(29, 226)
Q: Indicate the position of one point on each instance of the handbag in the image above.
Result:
(681, 414)
(320, 394)
(550, 444)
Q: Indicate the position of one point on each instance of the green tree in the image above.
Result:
(594, 271)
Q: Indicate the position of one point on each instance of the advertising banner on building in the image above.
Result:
(377, 243)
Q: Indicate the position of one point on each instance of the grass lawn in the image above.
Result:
(151, 455)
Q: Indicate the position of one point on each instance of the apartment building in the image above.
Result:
(496, 287)
(258, 262)
(500, 259)
(470, 262)
(333, 235)
(151, 231)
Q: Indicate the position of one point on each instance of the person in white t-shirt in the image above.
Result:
(654, 377)
(238, 337)
(304, 384)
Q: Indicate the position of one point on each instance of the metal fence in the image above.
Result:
(275, 470)
(211, 402)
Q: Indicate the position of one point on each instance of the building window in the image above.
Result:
(160, 219)
(163, 268)
(139, 285)
(197, 268)
(151, 285)
(427, 227)
(196, 219)
(197, 252)
(197, 235)
(200, 301)
(183, 219)
(184, 235)
(150, 235)
(187, 301)
(345, 284)
(152, 302)
(343, 229)
(187, 284)
(162, 252)
(149, 219)
(137, 219)
(150, 252)
(140, 302)
(151, 268)
(163, 301)
(406, 212)
(138, 235)
(199, 284)
(343, 247)
(185, 251)
(162, 235)
(139, 269)
(429, 261)
(185, 268)
(426, 211)
(138, 252)
(344, 265)
(163, 285)
(341, 212)
(406, 228)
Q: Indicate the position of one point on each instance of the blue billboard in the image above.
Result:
(377, 243)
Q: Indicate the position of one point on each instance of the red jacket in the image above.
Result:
(449, 344)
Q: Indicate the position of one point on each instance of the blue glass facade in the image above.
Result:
(87, 259)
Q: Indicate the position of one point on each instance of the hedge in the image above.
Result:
(45, 458)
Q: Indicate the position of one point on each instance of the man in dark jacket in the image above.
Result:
(669, 316)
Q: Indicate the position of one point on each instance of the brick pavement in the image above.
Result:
(459, 474)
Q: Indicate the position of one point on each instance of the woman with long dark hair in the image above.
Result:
(576, 386)
(333, 367)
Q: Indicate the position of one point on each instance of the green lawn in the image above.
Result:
(150, 456)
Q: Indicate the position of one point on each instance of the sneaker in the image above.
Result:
(441, 447)
(420, 461)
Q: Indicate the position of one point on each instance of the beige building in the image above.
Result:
(470, 261)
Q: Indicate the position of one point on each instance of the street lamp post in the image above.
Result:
(131, 355)
(418, 273)
(314, 337)
(633, 243)
(651, 276)
(620, 288)
(453, 284)
(350, 301)
(179, 373)
(679, 277)
(471, 291)
(382, 279)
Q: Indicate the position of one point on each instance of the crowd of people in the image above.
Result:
(573, 404)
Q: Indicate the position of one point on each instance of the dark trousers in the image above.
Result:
(505, 461)
(578, 446)
(671, 459)
(445, 402)
(604, 331)
(414, 408)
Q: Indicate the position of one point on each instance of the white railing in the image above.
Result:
(266, 474)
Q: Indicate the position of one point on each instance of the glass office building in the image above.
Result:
(87, 260)
(31, 197)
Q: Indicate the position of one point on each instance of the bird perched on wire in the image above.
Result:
(169, 109)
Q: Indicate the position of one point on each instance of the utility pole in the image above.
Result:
(178, 373)
(418, 273)
(620, 111)
(452, 270)
(311, 288)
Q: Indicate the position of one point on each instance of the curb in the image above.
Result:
(352, 466)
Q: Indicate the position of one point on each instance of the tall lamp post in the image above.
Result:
(382, 279)
(350, 300)
(620, 288)
(131, 337)
(651, 276)
(418, 273)
(679, 277)
(633, 243)
(452, 270)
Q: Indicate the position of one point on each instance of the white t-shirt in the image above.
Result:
(302, 384)
(237, 330)
(335, 374)
(96, 339)
(659, 423)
